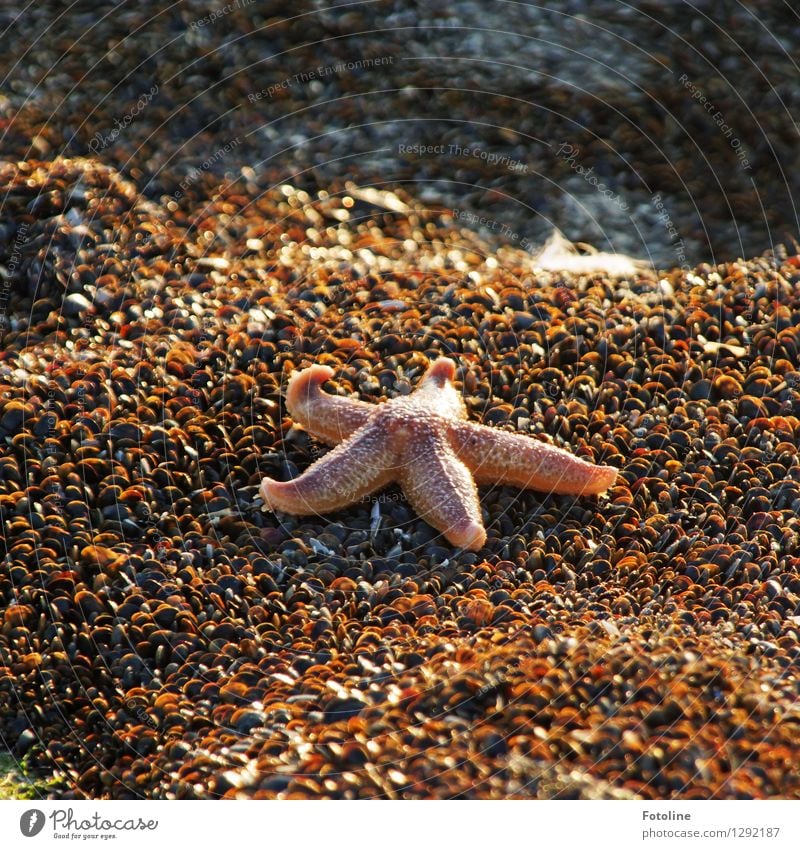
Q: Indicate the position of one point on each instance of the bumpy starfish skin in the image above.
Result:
(424, 442)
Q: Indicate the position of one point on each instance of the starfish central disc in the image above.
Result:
(425, 443)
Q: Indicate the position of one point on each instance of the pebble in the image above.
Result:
(76, 305)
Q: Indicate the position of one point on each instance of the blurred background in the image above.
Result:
(665, 131)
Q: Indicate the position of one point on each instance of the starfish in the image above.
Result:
(424, 442)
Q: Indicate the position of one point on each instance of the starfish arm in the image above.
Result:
(362, 464)
(329, 418)
(440, 488)
(496, 456)
(437, 392)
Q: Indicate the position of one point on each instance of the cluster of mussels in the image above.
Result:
(162, 637)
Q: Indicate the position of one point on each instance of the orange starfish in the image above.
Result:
(424, 442)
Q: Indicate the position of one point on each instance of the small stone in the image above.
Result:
(77, 305)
